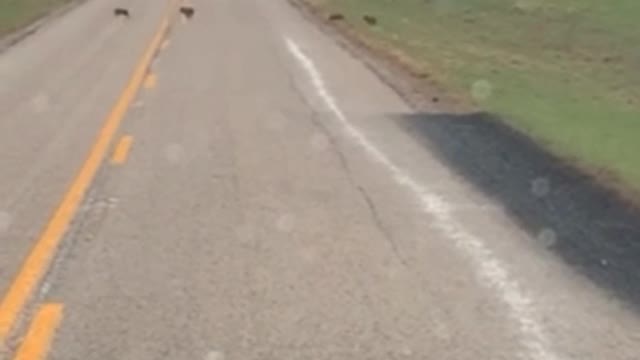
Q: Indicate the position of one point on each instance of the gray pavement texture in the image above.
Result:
(271, 207)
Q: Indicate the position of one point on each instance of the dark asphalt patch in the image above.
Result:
(590, 227)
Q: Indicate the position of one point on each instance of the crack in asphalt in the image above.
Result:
(344, 164)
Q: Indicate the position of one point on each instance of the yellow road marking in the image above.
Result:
(121, 151)
(150, 81)
(37, 342)
(39, 259)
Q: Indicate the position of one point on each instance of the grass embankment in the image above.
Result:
(566, 72)
(15, 14)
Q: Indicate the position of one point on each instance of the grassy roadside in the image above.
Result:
(563, 71)
(15, 14)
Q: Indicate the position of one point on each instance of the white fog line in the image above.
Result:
(491, 271)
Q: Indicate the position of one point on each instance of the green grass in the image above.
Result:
(15, 14)
(567, 72)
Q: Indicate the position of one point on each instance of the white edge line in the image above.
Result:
(491, 271)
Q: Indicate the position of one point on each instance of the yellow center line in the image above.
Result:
(38, 260)
(121, 151)
(37, 342)
(150, 81)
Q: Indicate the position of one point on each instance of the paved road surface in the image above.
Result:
(268, 207)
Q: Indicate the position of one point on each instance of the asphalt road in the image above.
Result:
(263, 205)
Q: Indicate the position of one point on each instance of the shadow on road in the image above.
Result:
(583, 223)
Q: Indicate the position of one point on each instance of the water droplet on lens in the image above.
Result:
(548, 237)
(286, 223)
(481, 90)
(540, 187)
(174, 153)
(319, 142)
(5, 221)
